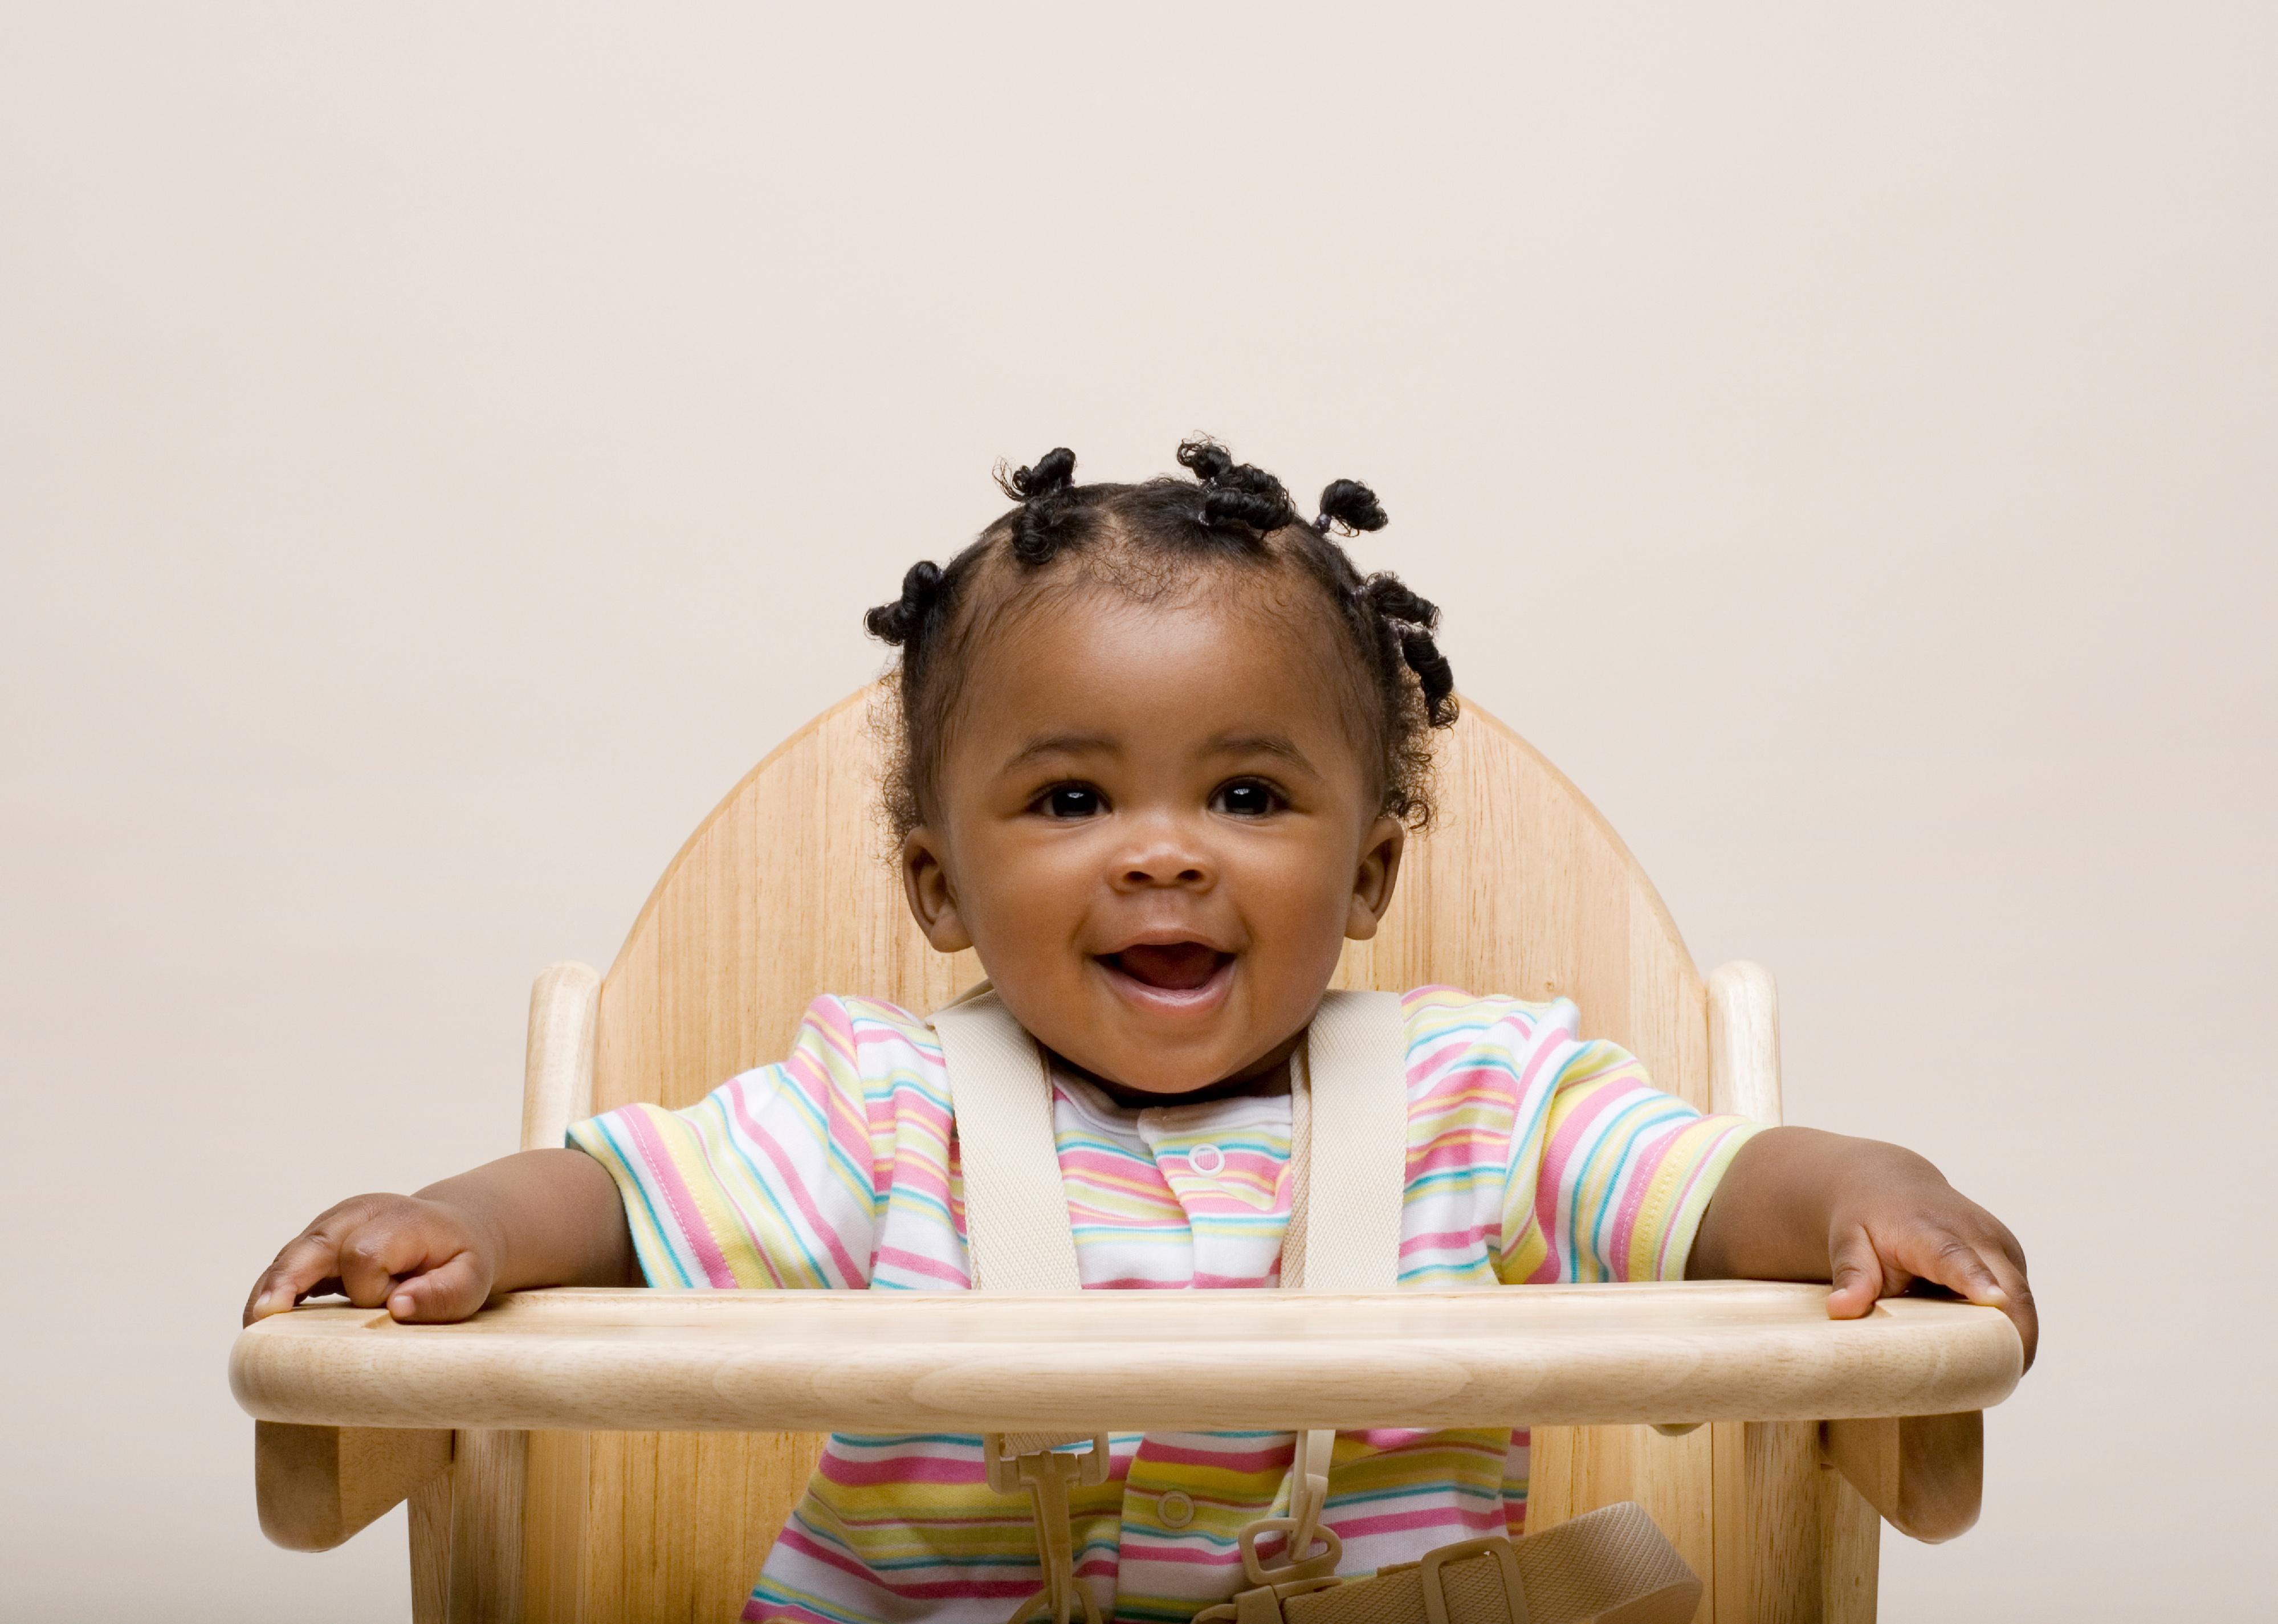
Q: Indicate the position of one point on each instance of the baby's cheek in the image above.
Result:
(1299, 934)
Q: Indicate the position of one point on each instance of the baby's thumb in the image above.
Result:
(452, 1290)
(1855, 1271)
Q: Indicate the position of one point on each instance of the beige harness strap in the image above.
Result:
(1342, 1112)
(1611, 1565)
(1351, 1149)
(1018, 1238)
(1016, 1220)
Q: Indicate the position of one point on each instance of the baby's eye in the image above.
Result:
(1247, 798)
(1071, 801)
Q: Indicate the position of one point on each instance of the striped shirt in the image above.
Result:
(1533, 1155)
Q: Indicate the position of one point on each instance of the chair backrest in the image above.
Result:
(1522, 888)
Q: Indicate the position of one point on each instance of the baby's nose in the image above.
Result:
(1164, 860)
(1163, 873)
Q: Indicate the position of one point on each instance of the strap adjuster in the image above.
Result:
(1435, 1595)
(1002, 1466)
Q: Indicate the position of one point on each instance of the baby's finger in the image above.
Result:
(452, 1290)
(1855, 1273)
(2011, 1278)
(307, 1261)
(1945, 1259)
(376, 1254)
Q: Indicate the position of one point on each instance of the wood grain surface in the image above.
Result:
(1925, 1474)
(860, 1361)
(316, 1486)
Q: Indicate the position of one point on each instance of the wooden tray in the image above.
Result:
(651, 1360)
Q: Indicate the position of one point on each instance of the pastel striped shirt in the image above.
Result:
(1533, 1155)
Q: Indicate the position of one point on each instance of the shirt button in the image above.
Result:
(1175, 1510)
(1208, 1160)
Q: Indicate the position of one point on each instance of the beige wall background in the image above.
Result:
(439, 452)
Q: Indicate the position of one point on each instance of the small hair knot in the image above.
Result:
(1391, 598)
(1235, 493)
(1205, 458)
(1053, 473)
(1408, 621)
(902, 620)
(1350, 504)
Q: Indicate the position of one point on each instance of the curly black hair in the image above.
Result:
(1229, 513)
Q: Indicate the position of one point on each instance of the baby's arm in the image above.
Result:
(1798, 1204)
(543, 1217)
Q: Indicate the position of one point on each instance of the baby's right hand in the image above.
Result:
(427, 1260)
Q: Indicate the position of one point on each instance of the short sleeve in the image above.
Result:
(1607, 1176)
(783, 1176)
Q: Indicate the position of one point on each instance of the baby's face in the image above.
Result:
(1157, 830)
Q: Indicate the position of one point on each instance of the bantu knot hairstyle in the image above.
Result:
(1042, 491)
(901, 621)
(1349, 506)
(1409, 622)
(1231, 515)
(1234, 492)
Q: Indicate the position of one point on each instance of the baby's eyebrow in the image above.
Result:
(1261, 744)
(1057, 744)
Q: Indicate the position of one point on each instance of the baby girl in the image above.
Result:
(1160, 747)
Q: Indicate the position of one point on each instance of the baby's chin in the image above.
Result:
(1167, 1079)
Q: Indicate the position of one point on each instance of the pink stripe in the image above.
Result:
(901, 1469)
(1384, 1440)
(1448, 1150)
(668, 1182)
(932, 1267)
(1439, 1240)
(1267, 1460)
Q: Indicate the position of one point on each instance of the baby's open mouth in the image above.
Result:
(1169, 966)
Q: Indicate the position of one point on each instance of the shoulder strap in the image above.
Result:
(1349, 1156)
(1017, 1235)
(1016, 1218)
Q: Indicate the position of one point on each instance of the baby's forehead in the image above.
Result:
(1245, 648)
(1233, 610)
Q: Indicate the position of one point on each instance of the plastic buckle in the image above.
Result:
(1003, 1467)
(1435, 1597)
(1046, 1473)
(1261, 1597)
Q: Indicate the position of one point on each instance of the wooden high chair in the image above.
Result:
(527, 1503)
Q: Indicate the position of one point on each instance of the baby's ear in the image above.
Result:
(932, 899)
(1373, 878)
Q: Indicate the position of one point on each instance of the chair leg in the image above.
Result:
(1795, 1542)
(466, 1534)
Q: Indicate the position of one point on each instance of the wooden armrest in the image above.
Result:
(1925, 1474)
(317, 1486)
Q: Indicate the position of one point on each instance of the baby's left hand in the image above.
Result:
(1876, 1218)
(1903, 1224)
